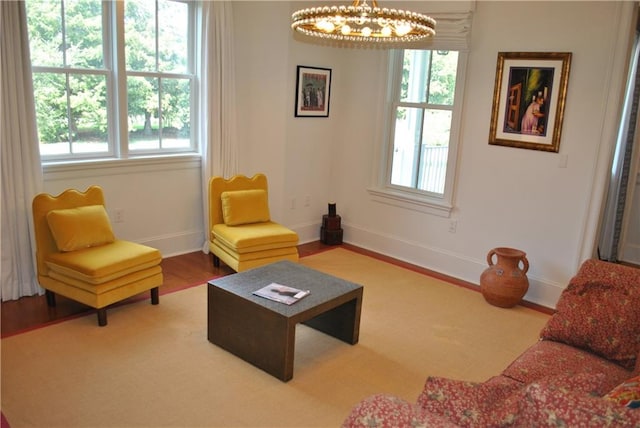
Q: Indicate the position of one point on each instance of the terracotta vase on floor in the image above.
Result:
(504, 283)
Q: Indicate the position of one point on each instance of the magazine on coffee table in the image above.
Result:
(281, 293)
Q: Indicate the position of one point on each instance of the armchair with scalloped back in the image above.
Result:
(241, 231)
(79, 257)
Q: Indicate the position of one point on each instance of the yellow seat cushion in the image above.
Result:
(245, 261)
(97, 265)
(255, 237)
(120, 282)
(77, 228)
(255, 255)
(106, 293)
(240, 207)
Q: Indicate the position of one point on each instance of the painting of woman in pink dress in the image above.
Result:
(531, 117)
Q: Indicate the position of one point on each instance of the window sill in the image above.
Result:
(120, 166)
(411, 201)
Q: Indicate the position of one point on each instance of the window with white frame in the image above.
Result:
(112, 79)
(422, 125)
(422, 121)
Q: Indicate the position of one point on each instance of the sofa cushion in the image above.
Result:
(81, 227)
(469, 404)
(388, 411)
(612, 274)
(601, 317)
(548, 406)
(245, 207)
(627, 393)
(547, 359)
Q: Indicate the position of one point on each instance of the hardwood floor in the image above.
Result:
(179, 272)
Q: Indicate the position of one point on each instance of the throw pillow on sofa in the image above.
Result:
(627, 393)
(545, 406)
(600, 317)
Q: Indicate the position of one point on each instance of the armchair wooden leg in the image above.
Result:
(155, 296)
(102, 317)
(51, 298)
(216, 261)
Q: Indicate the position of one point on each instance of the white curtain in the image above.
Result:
(20, 156)
(217, 128)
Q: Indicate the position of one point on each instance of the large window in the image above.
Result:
(112, 79)
(424, 109)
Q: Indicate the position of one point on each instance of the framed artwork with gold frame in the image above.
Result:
(528, 99)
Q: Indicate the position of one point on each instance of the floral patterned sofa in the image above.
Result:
(583, 372)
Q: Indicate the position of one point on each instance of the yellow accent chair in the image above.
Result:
(241, 232)
(79, 257)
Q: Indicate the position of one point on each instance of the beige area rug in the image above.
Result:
(153, 366)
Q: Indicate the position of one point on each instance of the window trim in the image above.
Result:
(122, 166)
(403, 197)
(114, 65)
(426, 202)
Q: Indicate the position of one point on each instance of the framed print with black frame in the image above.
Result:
(529, 99)
(313, 90)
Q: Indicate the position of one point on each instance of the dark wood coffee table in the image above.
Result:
(261, 331)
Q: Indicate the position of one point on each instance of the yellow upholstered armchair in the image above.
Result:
(241, 232)
(79, 257)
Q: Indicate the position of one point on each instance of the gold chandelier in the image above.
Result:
(363, 23)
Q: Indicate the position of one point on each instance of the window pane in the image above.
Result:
(142, 94)
(437, 127)
(85, 129)
(50, 97)
(88, 102)
(415, 75)
(83, 33)
(435, 150)
(140, 35)
(443, 77)
(406, 146)
(44, 20)
(80, 45)
(173, 39)
(176, 124)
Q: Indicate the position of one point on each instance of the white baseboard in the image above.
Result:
(177, 243)
(307, 232)
(541, 292)
(631, 254)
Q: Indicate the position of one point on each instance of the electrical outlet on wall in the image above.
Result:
(118, 215)
(453, 226)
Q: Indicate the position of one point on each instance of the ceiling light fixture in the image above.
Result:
(363, 23)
